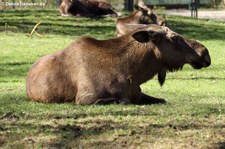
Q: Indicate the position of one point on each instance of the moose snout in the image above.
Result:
(206, 61)
(200, 61)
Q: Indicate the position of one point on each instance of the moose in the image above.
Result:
(142, 15)
(86, 8)
(92, 71)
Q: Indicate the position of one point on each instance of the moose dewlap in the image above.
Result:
(92, 71)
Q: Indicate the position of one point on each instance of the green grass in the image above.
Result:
(194, 116)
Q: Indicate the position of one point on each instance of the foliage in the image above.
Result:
(193, 117)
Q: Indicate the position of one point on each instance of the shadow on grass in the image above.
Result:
(69, 135)
(23, 21)
(58, 29)
(200, 30)
(14, 69)
(221, 145)
(197, 78)
(14, 63)
(52, 23)
(37, 119)
(64, 134)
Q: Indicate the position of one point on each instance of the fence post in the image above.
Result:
(13, 6)
(194, 8)
(128, 5)
(1, 5)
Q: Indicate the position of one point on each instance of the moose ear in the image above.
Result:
(140, 5)
(136, 7)
(146, 36)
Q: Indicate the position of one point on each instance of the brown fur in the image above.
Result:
(88, 8)
(92, 71)
(64, 7)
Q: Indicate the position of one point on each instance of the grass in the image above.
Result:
(194, 116)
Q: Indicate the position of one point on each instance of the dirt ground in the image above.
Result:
(203, 14)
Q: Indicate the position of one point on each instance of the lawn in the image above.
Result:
(194, 116)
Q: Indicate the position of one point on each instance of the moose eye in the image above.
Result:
(194, 45)
(174, 38)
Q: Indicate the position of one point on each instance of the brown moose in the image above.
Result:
(142, 15)
(92, 71)
(86, 8)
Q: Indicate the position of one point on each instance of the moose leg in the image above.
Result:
(145, 99)
(87, 96)
(112, 101)
(141, 98)
(103, 101)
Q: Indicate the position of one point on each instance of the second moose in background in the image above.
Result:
(86, 8)
(142, 15)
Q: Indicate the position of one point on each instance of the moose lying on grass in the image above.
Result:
(86, 8)
(142, 15)
(92, 71)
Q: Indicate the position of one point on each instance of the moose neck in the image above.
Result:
(139, 61)
(143, 60)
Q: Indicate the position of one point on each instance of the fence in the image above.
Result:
(169, 3)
